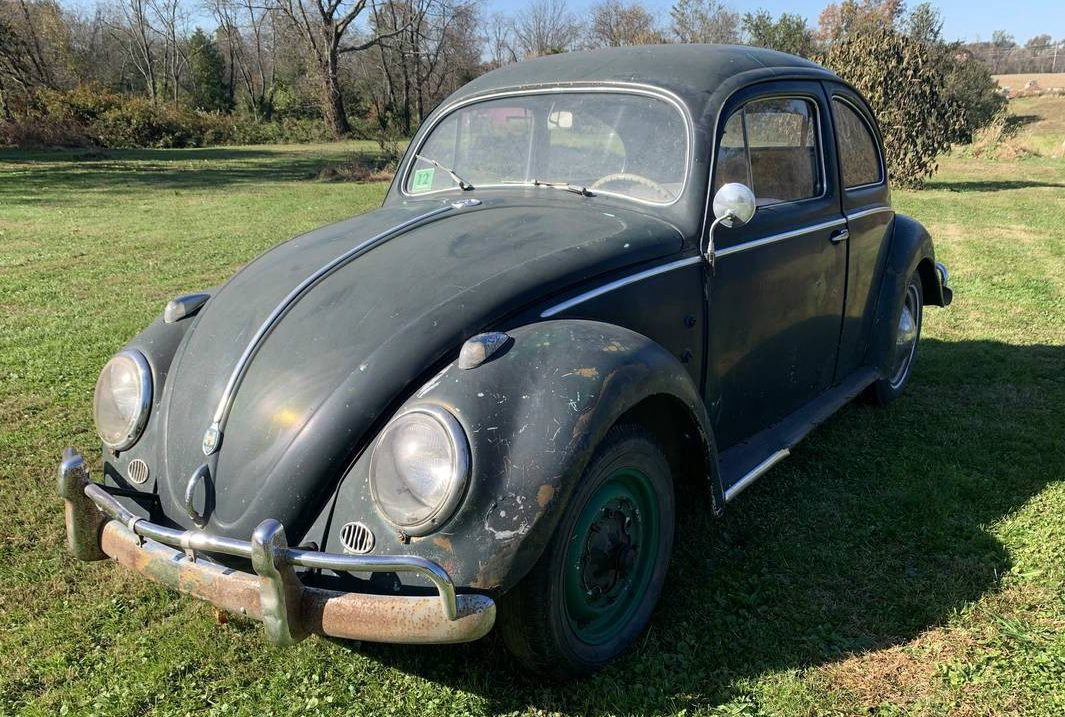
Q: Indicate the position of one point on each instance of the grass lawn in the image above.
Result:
(907, 560)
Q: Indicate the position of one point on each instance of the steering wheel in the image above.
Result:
(633, 179)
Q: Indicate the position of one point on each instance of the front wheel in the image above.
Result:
(594, 588)
(903, 347)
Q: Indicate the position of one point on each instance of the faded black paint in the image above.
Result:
(383, 333)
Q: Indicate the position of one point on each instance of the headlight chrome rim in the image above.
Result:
(144, 406)
(460, 451)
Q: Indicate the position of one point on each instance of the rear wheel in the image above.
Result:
(903, 347)
(593, 590)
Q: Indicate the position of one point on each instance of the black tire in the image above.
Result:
(535, 619)
(890, 386)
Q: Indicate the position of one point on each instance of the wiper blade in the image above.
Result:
(565, 186)
(463, 184)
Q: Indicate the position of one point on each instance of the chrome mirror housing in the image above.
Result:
(734, 204)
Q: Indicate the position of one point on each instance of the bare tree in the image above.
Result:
(26, 59)
(614, 23)
(131, 25)
(705, 21)
(432, 48)
(545, 27)
(324, 27)
(501, 41)
(249, 34)
(170, 22)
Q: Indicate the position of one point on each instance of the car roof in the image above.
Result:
(695, 73)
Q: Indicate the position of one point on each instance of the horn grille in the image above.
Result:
(137, 471)
(356, 538)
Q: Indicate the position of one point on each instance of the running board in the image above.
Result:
(743, 464)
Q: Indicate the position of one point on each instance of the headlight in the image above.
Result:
(122, 400)
(419, 468)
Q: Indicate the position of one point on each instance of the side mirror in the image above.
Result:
(734, 204)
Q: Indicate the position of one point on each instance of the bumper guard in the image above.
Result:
(98, 527)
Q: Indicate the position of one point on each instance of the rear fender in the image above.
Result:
(911, 250)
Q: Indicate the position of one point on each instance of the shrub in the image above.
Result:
(90, 115)
(906, 88)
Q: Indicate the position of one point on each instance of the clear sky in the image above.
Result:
(968, 20)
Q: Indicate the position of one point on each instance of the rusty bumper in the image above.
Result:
(99, 527)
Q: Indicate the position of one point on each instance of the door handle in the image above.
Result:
(839, 235)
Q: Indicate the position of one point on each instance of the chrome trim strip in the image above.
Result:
(212, 438)
(756, 473)
(869, 212)
(633, 88)
(618, 283)
(773, 238)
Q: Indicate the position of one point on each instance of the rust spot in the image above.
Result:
(442, 542)
(545, 494)
(587, 372)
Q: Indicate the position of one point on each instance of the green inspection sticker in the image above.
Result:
(423, 180)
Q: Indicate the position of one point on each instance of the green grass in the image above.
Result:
(907, 560)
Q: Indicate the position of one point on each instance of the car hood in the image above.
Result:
(350, 349)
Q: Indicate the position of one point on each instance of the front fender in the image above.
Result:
(534, 414)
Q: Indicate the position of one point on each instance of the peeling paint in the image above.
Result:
(545, 494)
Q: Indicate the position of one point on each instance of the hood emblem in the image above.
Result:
(212, 439)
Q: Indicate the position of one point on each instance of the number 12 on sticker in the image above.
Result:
(423, 180)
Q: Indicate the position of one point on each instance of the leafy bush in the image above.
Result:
(906, 89)
(90, 115)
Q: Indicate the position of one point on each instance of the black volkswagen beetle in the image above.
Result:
(594, 275)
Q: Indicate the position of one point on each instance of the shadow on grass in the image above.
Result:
(997, 185)
(49, 178)
(873, 532)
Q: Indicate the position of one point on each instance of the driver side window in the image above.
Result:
(771, 145)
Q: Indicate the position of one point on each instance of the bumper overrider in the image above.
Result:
(944, 277)
(100, 527)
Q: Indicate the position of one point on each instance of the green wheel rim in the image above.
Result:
(611, 556)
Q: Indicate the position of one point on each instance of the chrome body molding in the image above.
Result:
(618, 283)
(718, 254)
(773, 238)
(756, 473)
(213, 436)
(869, 212)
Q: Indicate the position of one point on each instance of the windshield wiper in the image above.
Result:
(565, 186)
(463, 184)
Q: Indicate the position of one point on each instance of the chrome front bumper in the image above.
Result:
(99, 527)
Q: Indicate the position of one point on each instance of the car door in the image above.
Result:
(866, 202)
(776, 288)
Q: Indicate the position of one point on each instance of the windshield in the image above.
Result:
(605, 142)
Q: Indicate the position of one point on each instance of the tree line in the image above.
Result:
(200, 71)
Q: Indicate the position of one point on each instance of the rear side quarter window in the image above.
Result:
(859, 156)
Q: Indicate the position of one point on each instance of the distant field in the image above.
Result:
(904, 561)
(1040, 124)
(1046, 80)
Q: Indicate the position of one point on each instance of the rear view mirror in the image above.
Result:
(734, 204)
